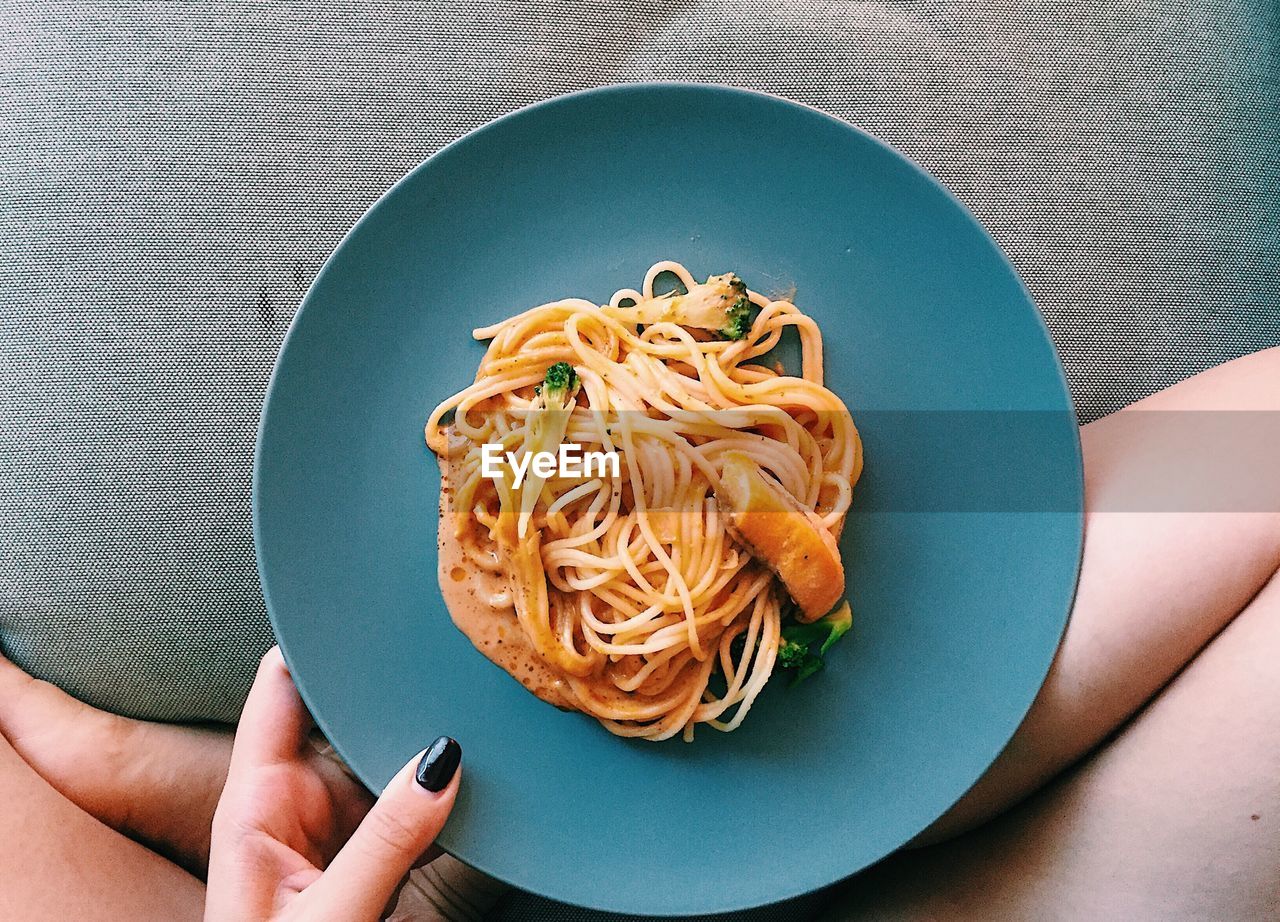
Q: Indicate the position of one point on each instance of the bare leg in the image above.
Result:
(158, 784)
(1177, 819)
(1179, 815)
(57, 862)
(1154, 589)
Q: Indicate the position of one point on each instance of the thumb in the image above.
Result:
(363, 876)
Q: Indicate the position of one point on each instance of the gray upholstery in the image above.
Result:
(172, 176)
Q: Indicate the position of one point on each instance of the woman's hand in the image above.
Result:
(294, 838)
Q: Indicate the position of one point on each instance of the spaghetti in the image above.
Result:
(647, 601)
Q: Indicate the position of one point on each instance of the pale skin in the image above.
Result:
(293, 838)
(1142, 784)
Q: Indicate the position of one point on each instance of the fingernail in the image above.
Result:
(439, 763)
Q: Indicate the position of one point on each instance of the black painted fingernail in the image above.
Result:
(439, 763)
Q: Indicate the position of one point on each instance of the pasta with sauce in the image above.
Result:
(654, 601)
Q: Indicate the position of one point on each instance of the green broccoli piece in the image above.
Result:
(545, 431)
(796, 650)
(738, 317)
(720, 304)
(558, 386)
(791, 655)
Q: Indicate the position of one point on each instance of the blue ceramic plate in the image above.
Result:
(962, 551)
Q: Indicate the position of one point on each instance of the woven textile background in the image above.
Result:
(172, 176)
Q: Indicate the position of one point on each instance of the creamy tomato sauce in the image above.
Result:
(479, 601)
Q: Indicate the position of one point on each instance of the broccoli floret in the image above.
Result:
(791, 655)
(796, 649)
(738, 316)
(558, 386)
(545, 431)
(720, 304)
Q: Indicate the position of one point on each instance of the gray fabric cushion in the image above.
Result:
(172, 176)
